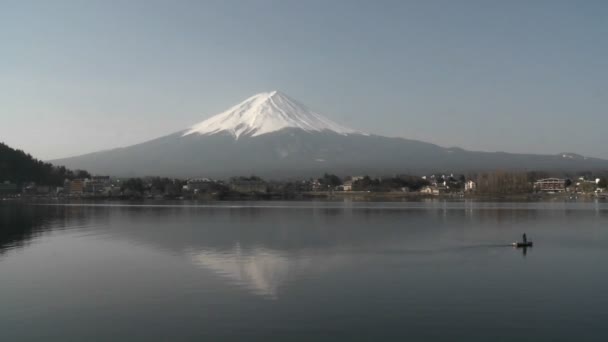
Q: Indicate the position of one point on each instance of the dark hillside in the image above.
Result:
(18, 167)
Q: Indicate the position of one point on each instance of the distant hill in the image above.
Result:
(274, 136)
(19, 167)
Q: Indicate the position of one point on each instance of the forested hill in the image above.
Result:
(18, 167)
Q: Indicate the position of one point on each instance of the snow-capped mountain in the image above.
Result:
(274, 136)
(265, 113)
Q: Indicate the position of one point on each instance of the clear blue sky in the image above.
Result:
(516, 76)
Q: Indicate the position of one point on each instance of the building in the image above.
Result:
(111, 191)
(550, 185)
(93, 187)
(75, 187)
(102, 179)
(344, 187)
(429, 190)
(347, 186)
(469, 186)
(29, 189)
(197, 185)
(316, 185)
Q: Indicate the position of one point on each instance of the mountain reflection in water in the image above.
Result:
(322, 271)
(261, 270)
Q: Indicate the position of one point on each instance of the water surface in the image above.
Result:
(303, 271)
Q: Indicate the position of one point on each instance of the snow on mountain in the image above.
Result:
(568, 155)
(265, 113)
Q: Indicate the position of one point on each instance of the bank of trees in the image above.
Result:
(330, 181)
(19, 167)
(388, 184)
(153, 185)
(504, 183)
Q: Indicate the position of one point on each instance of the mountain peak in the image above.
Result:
(265, 113)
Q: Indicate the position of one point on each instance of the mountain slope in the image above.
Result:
(271, 135)
(295, 153)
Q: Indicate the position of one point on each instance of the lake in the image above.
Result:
(303, 271)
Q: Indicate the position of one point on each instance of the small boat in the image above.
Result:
(522, 244)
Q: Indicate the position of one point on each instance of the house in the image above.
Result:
(550, 185)
(97, 184)
(30, 189)
(347, 186)
(111, 191)
(92, 186)
(304, 185)
(429, 190)
(102, 179)
(316, 185)
(74, 187)
(469, 186)
(197, 185)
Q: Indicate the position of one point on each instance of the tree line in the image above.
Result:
(19, 167)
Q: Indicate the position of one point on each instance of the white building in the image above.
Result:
(550, 184)
(429, 190)
(469, 186)
(347, 186)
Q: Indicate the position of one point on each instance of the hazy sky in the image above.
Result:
(516, 76)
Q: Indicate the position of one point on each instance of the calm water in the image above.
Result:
(304, 272)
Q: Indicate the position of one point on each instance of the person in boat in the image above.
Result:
(525, 238)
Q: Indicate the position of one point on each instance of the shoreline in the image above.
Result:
(324, 197)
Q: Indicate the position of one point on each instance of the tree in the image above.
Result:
(135, 185)
(252, 178)
(330, 180)
(603, 183)
(533, 176)
(82, 174)
(503, 183)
